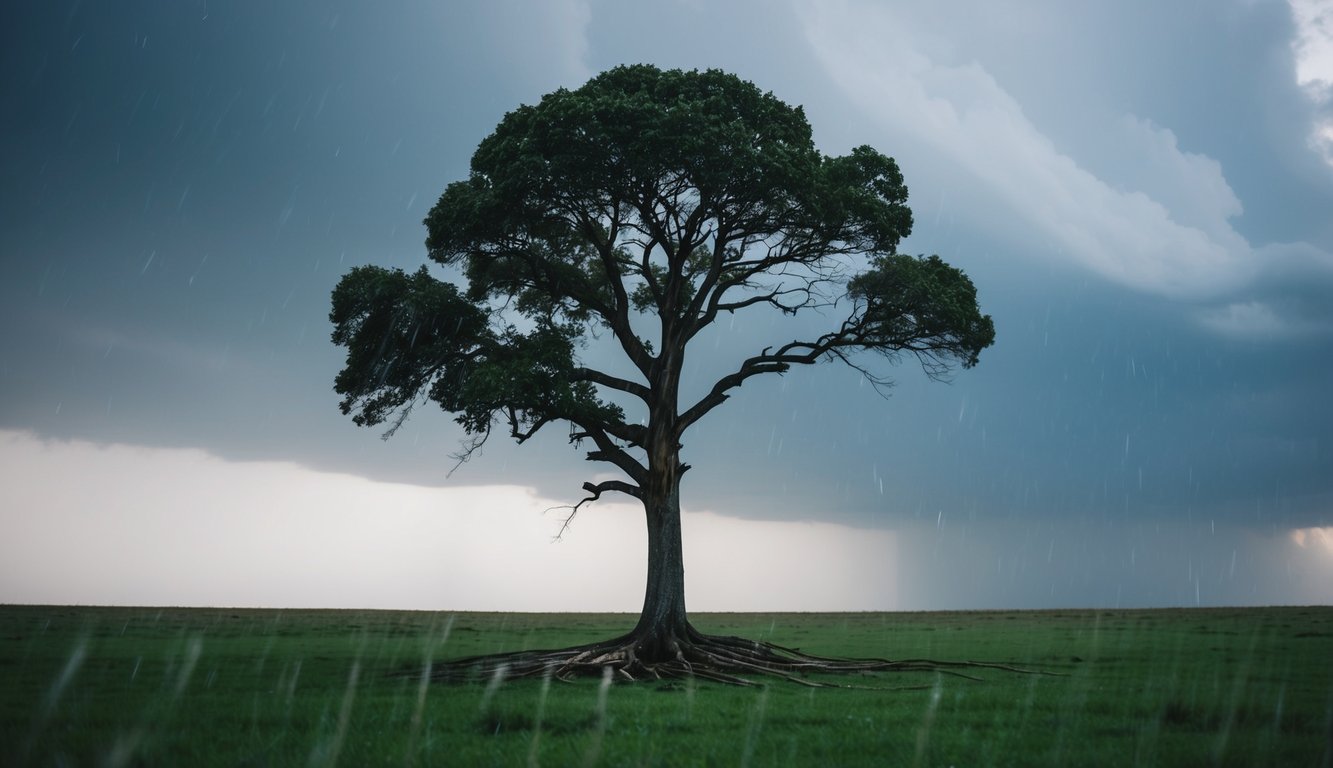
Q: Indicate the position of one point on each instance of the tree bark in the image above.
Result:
(662, 624)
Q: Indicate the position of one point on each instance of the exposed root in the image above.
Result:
(720, 659)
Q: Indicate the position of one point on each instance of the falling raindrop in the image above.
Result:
(192, 652)
(420, 707)
(537, 722)
(927, 721)
(493, 685)
(599, 716)
(756, 725)
(327, 754)
(67, 673)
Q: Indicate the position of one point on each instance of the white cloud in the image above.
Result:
(1191, 186)
(1132, 236)
(1244, 320)
(124, 525)
(1155, 217)
(1313, 49)
(1313, 45)
(1314, 538)
(117, 524)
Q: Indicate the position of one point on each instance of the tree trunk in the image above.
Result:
(662, 624)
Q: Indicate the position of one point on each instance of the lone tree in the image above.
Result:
(658, 199)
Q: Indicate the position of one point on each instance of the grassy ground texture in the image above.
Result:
(148, 686)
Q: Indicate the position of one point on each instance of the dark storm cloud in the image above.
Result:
(185, 184)
(1093, 400)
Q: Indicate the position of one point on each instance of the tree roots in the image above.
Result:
(720, 659)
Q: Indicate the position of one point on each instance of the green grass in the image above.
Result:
(137, 686)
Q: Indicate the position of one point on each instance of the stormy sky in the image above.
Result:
(1142, 193)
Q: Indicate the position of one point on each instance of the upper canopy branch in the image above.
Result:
(775, 298)
(614, 382)
(792, 263)
(612, 263)
(904, 304)
(765, 362)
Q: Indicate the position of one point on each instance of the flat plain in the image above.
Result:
(207, 686)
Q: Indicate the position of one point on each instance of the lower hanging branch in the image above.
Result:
(721, 659)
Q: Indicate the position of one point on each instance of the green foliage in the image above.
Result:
(865, 192)
(201, 687)
(643, 192)
(408, 334)
(402, 332)
(677, 160)
(531, 378)
(922, 302)
(626, 137)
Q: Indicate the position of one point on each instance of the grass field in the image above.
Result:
(147, 686)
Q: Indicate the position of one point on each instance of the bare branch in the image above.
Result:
(851, 334)
(611, 453)
(398, 420)
(596, 491)
(617, 316)
(522, 435)
(468, 447)
(632, 434)
(613, 382)
(773, 298)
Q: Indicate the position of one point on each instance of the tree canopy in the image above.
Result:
(677, 194)
(644, 199)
